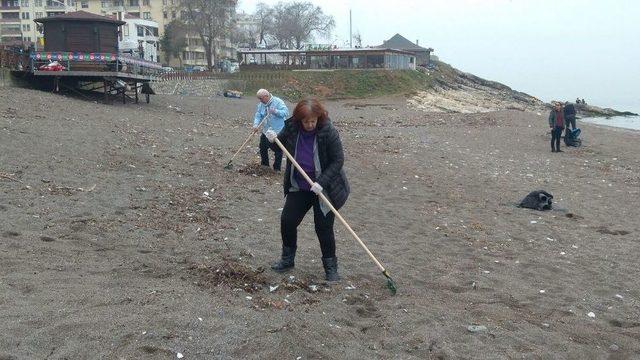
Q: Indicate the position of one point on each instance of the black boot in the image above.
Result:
(331, 268)
(286, 261)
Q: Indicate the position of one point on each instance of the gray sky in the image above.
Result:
(551, 49)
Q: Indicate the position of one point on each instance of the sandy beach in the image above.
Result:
(122, 236)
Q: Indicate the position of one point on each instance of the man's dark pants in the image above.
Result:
(570, 121)
(556, 133)
(265, 145)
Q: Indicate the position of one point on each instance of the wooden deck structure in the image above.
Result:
(85, 46)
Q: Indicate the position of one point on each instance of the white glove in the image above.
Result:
(271, 135)
(316, 188)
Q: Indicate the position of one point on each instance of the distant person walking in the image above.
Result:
(569, 116)
(556, 123)
(277, 111)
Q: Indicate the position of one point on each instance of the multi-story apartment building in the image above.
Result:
(10, 22)
(17, 26)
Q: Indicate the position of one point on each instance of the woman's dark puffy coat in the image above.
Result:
(332, 177)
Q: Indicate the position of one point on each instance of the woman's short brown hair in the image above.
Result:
(310, 107)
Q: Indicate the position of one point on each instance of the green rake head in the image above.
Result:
(391, 285)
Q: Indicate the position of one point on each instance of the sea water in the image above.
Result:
(625, 122)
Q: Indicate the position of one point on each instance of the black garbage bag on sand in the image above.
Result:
(572, 137)
(537, 200)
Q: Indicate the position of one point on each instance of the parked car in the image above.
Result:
(199, 68)
(167, 69)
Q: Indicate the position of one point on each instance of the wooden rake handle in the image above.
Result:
(248, 138)
(333, 209)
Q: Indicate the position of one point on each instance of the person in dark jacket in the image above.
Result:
(315, 144)
(569, 116)
(556, 123)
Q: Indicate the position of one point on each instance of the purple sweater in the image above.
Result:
(304, 157)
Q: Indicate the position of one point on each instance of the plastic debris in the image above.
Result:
(179, 355)
(476, 328)
(591, 315)
(273, 288)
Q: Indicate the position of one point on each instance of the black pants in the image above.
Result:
(265, 145)
(570, 121)
(556, 133)
(295, 208)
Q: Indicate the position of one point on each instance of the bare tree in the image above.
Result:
(282, 26)
(265, 17)
(298, 22)
(308, 20)
(211, 20)
(245, 35)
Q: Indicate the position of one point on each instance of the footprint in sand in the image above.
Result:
(365, 308)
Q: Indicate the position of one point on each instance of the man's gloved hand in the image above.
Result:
(272, 111)
(271, 135)
(316, 188)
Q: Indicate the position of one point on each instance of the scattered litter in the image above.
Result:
(542, 291)
(486, 271)
(619, 296)
(591, 315)
(273, 288)
(562, 253)
(350, 287)
(313, 288)
(476, 328)
(179, 355)
(533, 222)
(550, 239)
(249, 298)
(545, 325)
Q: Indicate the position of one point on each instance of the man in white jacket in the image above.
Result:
(278, 112)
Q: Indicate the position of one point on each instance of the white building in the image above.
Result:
(139, 37)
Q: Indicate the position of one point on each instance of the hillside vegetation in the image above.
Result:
(337, 84)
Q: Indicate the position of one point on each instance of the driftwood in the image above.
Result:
(6, 176)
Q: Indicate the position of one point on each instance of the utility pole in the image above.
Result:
(350, 33)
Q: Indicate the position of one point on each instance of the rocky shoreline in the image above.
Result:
(455, 91)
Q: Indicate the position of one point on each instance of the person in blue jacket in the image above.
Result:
(278, 112)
